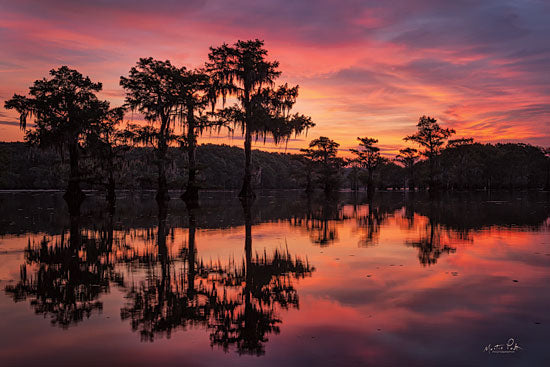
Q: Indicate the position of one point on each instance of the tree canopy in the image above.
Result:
(154, 88)
(64, 109)
(262, 109)
(431, 137)
(322, 153)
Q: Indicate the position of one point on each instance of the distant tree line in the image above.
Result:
(440, 164)
(180, 104)
(472, 166)
(219, 167)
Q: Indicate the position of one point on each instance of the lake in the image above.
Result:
(399, 280)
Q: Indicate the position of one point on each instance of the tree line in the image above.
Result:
(70, 117)
(180, 104)
(472, 166)
(219, 167)
(440, 163)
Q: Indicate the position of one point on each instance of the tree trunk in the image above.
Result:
(433, 189)
(246, 190)
(248, 264)
(74, 230)
(370, 184)
(162, 193)
(328, 186)
(191, 194)
(74, 194)
(354, 184)
(247, 208)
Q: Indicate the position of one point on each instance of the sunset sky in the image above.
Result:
(365, 68)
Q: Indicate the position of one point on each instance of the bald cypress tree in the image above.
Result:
(408, 158)
(197, 92)
(322, 154)
(64, 108)
(368, 155)
(153, 88)
(262, 110)
(431, 137)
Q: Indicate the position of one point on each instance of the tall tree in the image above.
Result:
(431, 136)
(262, 110)
(106, 143)
(408, 157)
(154, 89)
(322, 152)
(368, 155)
(196, 94)
(63, 107)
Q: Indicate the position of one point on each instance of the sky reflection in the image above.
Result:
(195, 288)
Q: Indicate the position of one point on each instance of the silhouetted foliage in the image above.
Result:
(154, 89)
(237, 303)
(262, 285)
(107, 148)
(168, 299)
(368, 156)
(64, 108)
(218, 167)
(322, 155)
(467, 167)
(197, 91)
(408, 158)
(432, 137)
(242, 70)
(320, 219)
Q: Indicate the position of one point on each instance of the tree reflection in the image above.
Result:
(238, 303)
(64, 277)
(253, 294)
(370, 225)
(370, 214)
(431, 244)
(320, 219)
(167, 299)
(455, 218)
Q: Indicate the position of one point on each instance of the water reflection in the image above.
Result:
(238, 272)
(64, 276)
(253, 293)
(320, 219)
(168, 298)
(371, 216)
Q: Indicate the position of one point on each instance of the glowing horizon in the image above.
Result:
(364, 69)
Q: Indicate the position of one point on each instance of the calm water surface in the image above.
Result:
(396, 281)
